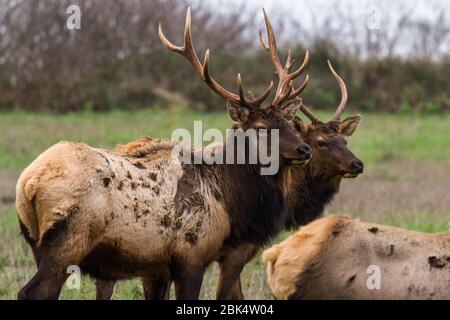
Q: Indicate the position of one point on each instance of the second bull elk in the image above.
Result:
(142, 214)
(311, 186)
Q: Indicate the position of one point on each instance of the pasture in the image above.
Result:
(406, 182)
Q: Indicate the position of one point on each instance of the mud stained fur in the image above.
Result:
(120, 208)
(373, 230)
(312, 264)
(199, 219)
(106, 182)
(440, 262)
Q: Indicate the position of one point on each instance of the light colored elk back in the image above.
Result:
(334, 257)
(131, 191)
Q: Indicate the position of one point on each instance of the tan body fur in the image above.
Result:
(121, 200)
(329, 259)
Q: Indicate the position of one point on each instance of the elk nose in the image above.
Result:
(357, 166)
(304, 151)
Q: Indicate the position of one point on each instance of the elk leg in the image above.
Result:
(188, 281)
(156, 289)
(167, 293)
(230, 271)
(55, 254)
(31, 243)
(46, 283)
(105, 289)
(230, 265)
(237, 293)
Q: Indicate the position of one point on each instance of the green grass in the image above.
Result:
(389, 144)
(381, 137)
(26, 135)
(384, 137)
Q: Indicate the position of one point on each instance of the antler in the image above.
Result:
(285, 90)
(188, 51)
(344, 98)
(341, 106)
(309, 114)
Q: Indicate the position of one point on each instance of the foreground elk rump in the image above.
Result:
(119, 215)
(329, 259)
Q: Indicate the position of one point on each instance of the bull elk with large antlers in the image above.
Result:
(310, 187)
(124, 214)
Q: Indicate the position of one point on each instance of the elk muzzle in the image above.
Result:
(356, 168)
(299, 154)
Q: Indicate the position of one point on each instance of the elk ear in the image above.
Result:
(290, 110)
(299, 125)
(237, 112)
(348, 126)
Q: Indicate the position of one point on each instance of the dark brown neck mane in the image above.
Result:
(309, 193)
(255, 203)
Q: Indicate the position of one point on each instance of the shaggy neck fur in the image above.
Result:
(309, 193)
(257, 205)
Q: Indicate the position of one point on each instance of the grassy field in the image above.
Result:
(407, 181)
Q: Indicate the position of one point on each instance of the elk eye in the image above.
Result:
(345, 142)
(321, 143)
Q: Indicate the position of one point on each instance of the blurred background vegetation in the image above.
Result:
(391, 58)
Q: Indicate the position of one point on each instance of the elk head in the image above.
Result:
(245, 110)
(331, 156)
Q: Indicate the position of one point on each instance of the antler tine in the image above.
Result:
(300, 89)
(263, 96)
(289, 61)
(261, 39)
(241, 90)
(272, 46)
(188, 51)
(300, 69)
(344, 94)
(249, 102)
(217, 88)
(285, 86)
(341, 106)
(309, 114)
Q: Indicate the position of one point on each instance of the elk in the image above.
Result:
(337, 257)
(310, 187)
(143, 214)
